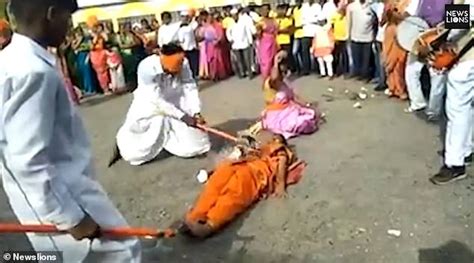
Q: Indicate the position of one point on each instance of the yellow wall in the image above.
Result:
(145, 8)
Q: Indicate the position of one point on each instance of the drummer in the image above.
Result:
(432, 11)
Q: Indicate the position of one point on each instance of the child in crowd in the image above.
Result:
(114, 62)
(323, 45)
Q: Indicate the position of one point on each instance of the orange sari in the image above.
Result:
(235, 186)
(394, 56)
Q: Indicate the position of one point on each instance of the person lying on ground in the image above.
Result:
(237, 183)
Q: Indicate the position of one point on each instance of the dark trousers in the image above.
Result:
(361, 53)
(379, 65)
(193, 58)
(291, 61)
(242, 61)
(306, 43)
(341, 58)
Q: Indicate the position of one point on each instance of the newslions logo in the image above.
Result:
(457, 17)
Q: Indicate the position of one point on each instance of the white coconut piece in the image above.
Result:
(362, 96)
(394, 232)
(202, 176)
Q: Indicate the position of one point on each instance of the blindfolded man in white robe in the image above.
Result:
(164, 111)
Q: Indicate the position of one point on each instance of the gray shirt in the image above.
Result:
(361, 19)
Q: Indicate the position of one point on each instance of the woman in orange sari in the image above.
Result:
(237, 184)
(394, 56)
(98, 57)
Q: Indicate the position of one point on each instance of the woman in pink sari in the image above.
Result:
(285, 113)
(219, 68)
(203, 39)
(98, 57)
(267, 30)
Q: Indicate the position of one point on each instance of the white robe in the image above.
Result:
(152, 123)
(45, 158)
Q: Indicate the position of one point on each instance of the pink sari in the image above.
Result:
(98, 57)
(218, 67)
(267, 46)
(286, 117)
(203, 58)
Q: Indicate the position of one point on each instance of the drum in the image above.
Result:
(433, 38)
(409, 30)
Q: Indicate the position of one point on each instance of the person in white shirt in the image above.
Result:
(46, 160)
(187, 39)
(378, 8)
(311, 12)
(247, 19)
(240, 35)
(362, 29)
(168, 32)
(164, 111)
(430, 109)
(328, 11)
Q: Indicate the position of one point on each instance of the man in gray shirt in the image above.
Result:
(362, 29)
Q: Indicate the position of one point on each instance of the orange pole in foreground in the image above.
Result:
(120, 232)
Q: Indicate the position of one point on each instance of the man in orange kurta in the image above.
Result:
(235, 185)
(394, 56)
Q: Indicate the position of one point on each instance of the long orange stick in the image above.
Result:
(120, 232)
(217, 132)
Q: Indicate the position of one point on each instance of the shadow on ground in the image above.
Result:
(451, 252)
(226, 246)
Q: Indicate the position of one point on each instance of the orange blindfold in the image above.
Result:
(172, 63)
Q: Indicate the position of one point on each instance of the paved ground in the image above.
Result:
(368, 173)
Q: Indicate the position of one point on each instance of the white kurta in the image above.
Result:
(46, 161)
(152, 123)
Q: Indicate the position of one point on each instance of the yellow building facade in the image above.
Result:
(114, 10)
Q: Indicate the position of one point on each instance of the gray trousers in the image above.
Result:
(242, 60)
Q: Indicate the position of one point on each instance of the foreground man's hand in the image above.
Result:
(189, 120)
(87, 228)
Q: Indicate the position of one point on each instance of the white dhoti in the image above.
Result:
(152, 122)
(459, 110)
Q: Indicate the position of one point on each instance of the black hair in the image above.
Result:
(266, 5)
(24, 11)
(282, 6)
(204, 13)
(144, 20)
(165, 14)
(171, 49)
(227, 7)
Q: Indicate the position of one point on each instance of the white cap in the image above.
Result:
(184, 13)
(234, 11)
(137, 25)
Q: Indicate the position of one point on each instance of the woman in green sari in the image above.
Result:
(82, 45)
(132, 52)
